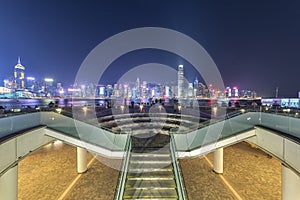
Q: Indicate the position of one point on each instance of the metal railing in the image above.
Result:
(123, 173)
(181, 190)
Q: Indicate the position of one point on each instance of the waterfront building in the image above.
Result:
(19, 75)
(190, 90)
(9, 83)
(109, 90)
(137, 88)
(31, 84)
(181, 93)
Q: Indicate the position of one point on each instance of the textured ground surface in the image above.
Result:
(48, 172)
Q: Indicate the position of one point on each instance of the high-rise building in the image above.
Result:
(228, 92)
(180, 82)
(9, 83)
(167, 91)
(137, 88)
(235, 92)
(196, 83)
(30, 84)
(190, 90)
(19, 75)
(144, 89)
(109, 90)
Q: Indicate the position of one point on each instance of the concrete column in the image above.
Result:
(9, 184)
(290, 184)
(218, 161)
(81, 160)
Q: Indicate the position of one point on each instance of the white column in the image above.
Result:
(9, 184)
(218, 161)
(81, 160)
(290, 184)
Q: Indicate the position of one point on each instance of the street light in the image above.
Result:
(141, 107)
(58, 110)
(122, 108)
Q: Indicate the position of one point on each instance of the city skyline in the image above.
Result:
(23, 86)
(254, 44)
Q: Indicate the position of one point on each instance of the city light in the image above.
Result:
(30, 78)
(179, 108)
(215, 109)
(84, 108)
(48, 80)
(122, 108)
(141, 108)
(159, 107)
(74, 90)
(58, 110)
(140, 89)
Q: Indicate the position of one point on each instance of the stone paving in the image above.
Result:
(251, 173)
(48, 172)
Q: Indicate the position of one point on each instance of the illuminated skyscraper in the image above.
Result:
(19, 75)
(196, 83)
(180, 82)
(137, 88)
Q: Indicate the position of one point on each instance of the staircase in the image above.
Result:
(150, 171)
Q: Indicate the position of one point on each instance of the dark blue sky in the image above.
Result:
(255, 44)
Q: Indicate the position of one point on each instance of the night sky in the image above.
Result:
(255, 44)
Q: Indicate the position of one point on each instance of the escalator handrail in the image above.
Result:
(178, 176)
(123, 173)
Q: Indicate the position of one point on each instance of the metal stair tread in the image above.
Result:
(151, 178)
(150, 183)
(139, 170)
(150, 193)
(151, 161)
(151, 173)
(149, 165)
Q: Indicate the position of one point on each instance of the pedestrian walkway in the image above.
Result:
(49, 172)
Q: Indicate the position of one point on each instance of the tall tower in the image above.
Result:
(137, 87)
(196, 82)
(19, 75)
(180, 82)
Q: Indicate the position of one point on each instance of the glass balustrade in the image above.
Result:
(123, 173)
(209, 131)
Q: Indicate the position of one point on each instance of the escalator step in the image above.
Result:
(152, 174)
(150, 193)
(150, 184)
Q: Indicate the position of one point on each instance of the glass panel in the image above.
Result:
(294, 127)
(22, 122)
(277, 122)
(5, 126)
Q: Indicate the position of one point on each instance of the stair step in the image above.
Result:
(153, 165)
(153, 174)
(150, 183)
(147, 166)
(150, 193)
(139, 170)
(154, 150)
(150, 161)
(150, 155)
(150, 158)
(151, 178)
(157, 198)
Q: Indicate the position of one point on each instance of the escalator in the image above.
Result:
(150, 171)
